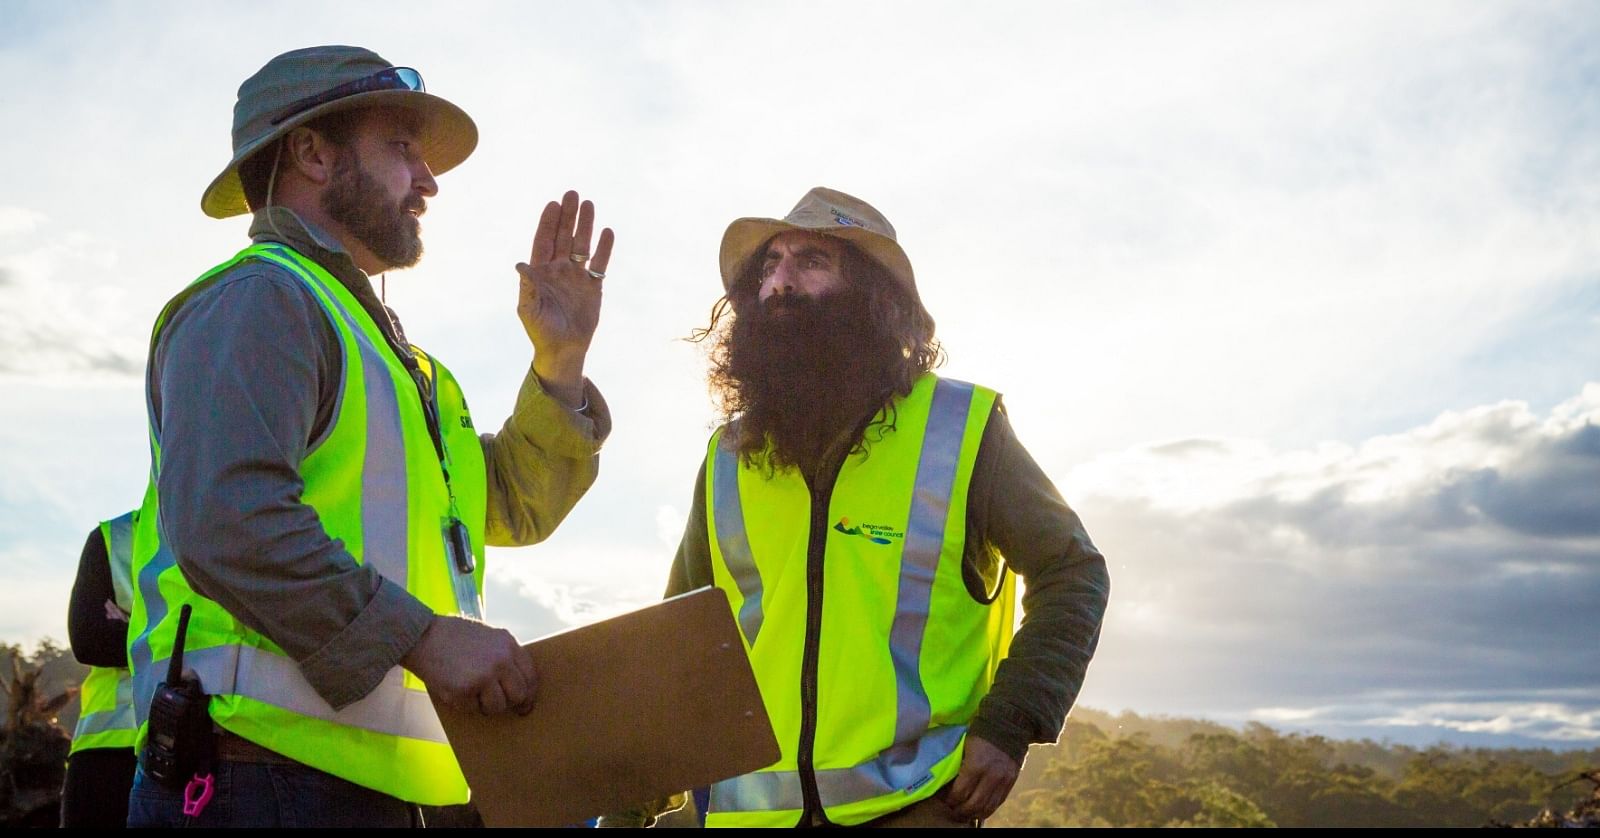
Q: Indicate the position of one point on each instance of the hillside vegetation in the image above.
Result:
(1129, 770)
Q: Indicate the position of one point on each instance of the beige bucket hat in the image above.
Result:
(302, 85)
(826, 211)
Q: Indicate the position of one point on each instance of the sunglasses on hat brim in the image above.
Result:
(391, 78)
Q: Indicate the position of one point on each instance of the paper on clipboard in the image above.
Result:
(628, 710)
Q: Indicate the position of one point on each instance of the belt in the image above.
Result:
(234, 748)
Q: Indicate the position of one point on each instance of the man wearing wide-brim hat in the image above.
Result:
(320, 495)
(864, 516)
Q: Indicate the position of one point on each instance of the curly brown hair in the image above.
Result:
(885, 343)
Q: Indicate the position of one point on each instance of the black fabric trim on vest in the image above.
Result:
(821, 485)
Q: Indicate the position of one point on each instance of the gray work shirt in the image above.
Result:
(243, 379)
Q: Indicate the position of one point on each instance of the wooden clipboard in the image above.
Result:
(628, 710)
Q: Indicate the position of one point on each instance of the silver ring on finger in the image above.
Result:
(580, 258)
(594, 273)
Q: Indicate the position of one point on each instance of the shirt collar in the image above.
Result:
(282, 225)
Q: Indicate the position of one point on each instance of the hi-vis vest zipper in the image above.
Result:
(870, 652)
(379, 485)
(105, 700)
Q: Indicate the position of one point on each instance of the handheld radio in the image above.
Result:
(180, 741)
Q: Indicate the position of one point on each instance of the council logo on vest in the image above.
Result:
(875, 533)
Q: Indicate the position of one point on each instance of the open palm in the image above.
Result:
(559, 302)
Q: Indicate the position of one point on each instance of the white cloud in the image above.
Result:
(669, 526)
(16, 220)
(566, 604)
(549, 587)
(1551, 717)
(36, 574)
(68, 317)
(1194, 475)
(1461, 555)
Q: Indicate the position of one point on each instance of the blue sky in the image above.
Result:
(1299, 304)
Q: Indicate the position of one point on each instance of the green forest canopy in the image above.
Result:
(1130, 770)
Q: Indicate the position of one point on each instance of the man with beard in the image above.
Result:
(319, 497)
(862, 515)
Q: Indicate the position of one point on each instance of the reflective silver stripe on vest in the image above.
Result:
(391, 708)
(384, 530)
(145, 678)
(120, 717)
(908, 763)
(777, 791)
(919, 559)
(731, 535)
(383, 496)
(106, 721)
(119, 549)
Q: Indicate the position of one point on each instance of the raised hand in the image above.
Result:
(559, 301)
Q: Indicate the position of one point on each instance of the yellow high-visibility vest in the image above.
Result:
(376, 482)
(105, 699)
(870, 652)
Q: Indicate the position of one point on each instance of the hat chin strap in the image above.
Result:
(272, 180)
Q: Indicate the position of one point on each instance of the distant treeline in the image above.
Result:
(1129, 770)
(1123, 770)
(58, 672)
(37, 703)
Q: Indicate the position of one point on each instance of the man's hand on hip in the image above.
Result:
(986, 777)
(471, 666)
(559, 303)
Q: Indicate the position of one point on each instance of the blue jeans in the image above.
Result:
(256, 795)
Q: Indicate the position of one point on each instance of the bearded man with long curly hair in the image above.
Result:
(864, 516)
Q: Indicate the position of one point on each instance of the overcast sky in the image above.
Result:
(1298, 303)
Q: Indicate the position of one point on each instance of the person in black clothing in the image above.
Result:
(95, 793)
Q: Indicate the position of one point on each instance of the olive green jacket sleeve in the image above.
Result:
(1015, 512)
(541, 462)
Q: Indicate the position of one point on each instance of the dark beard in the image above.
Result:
(356, 201)
(803, 375)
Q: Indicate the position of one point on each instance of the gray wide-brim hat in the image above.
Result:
(826, 211)
(447, 135)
